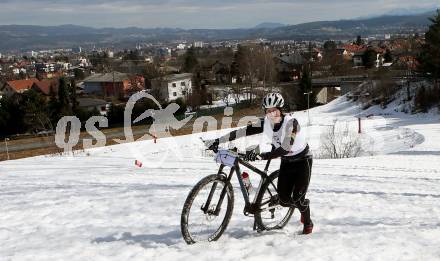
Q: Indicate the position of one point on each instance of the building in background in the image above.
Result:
(173, 86)
(198, 44)
(18, 86)
(46, 87)
(113, 84)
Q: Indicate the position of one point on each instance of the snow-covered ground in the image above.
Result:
(97, 205)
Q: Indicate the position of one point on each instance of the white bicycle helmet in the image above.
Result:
(273, 100)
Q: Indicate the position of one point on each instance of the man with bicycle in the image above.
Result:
(285, 138)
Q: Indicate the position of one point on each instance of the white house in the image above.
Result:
(173, 86)
(379, 60)
(81, 62)
(18, 70)
(342, 52)
(198, 44)
(64, 65)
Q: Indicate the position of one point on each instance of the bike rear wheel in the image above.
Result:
(205, 215)
(271, 214)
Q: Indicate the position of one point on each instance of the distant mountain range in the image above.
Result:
(269, 25)
(412, 10)
(28, 37)
(404, 12)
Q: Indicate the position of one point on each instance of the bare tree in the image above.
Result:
(255, 63)
(340, 142)
(225, 95)
(266, 66)
(237, 93)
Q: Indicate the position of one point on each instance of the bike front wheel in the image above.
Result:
(207, 210)
(271, 215)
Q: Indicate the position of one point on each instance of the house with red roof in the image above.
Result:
(46, 87)
(351, 49)
(17, 86)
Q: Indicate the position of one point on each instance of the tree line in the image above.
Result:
(32, 112)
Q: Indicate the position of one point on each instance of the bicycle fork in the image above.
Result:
(205, 207)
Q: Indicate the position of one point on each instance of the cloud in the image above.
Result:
(191, 13)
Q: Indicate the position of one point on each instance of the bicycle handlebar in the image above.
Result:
(234, 150)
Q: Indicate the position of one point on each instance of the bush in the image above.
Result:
(11, 117)
(84, 114)
(340, 142)
(426, 98)
(115, 114)
(383, 89)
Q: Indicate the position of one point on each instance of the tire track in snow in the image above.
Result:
(374, 193)
(360, 167)
(372, 178)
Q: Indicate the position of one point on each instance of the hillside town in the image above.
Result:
(98, 81)
(38, 87)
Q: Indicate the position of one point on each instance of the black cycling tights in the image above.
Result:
(293, 182)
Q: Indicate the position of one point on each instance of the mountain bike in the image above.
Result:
(209, 205)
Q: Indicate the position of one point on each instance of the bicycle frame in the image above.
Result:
(249, 206)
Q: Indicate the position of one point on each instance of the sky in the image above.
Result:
(194, 13)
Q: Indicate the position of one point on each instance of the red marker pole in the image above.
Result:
(153, 136)
(359, 125)
(138, 163)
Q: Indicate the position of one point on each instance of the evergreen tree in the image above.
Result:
(72, 95)
(22, 75)
(329, 47)
(11, 116)
(53, 106)
(430, 55)
(5, 116)
(63, 93)
(359, 40)
(60, 104)
(115, 114)
(195, 98)
(78, 74)
(388, 58)
(369, 58)
(34, 106)
(191, 61)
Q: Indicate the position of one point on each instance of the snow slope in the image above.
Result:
(97, 205)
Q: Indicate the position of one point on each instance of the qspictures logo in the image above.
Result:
(68, 130)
